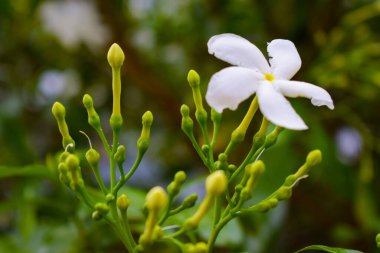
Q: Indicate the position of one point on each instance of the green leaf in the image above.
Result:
(328, 249)
(29, 170)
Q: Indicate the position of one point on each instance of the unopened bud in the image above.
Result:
(190, 200)
(123, 202)
(120, 154)
(193, 78)
(314, 157)
(102, 208)
(144, 140)
(156, 199)
(216, 183)
(92, 157)
(115, 56)
(93, 117)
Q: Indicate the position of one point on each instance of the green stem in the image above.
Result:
(217, 210)
(127, 228)
(215, 232)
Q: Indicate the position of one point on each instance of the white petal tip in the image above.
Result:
(320, 102)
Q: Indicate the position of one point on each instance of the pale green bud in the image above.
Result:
(102, 208)
(193, 78)
(93, 117)
(123, 202)
(115, 56)
(110, 197)
(190, 200)
(144, 140)
(378, 240)
(59, 113)
(314, 157)
(92, 157)
(156, 199)
(120, 154)
(96, 215)
(216, 183)
(187, 124)
(180, 177)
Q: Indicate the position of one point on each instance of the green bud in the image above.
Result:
(205, 148)
(187, 123)
(93, 117)
(156, 199)
(216, 117)
(272, 137)
(59, 113)
(193, 78)
(63, 173)
(102, 208)
(216, 183)
(180, 177)
(378, 240)
(314, 157)
(123, 202)
(72, 163)
(201, 115)
(115, 56)
(63, 156)
(92, 157)
(144, 140)
(231, 167)
(258, 140)
(120, 154)
(190, 200)
(96, 215)
(284, 193)
(110, 197)
(116, 122)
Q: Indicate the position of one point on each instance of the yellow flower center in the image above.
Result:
(269, 77)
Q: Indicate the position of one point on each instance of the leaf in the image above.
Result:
(29, 170)
(328, 249)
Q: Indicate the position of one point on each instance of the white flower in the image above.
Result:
(252, 74)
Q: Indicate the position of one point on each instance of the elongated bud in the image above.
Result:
(175, 186)
(59, 113)
(272, 137)
(200, 113)
(190, 200)
(216, 183)
(123, 202)
(187, 124)
(253, 172)
(72, 163)
(155, 201)
(115, 56)
(144, 140)
(314, 157)
(93, 117)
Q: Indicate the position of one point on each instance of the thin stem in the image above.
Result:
(127, 228)
(217, 210)
(242, 128)
(115, 142)
(215, 232)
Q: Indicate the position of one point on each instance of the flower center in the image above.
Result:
(269, 77)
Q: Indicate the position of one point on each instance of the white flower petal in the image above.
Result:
(277, 109)
(293, 89)
(230, 86)
(284, 59)
(237, 51)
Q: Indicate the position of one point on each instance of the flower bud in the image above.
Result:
(120, 154)
(190, 200)
(187, 123)
(144, 140)
(156, 199)
(216, 183)
(284, 193)
(110, 197)
(115, 56)
(59, 113)
(92, 157)
(93, 117)
(102, 208)
(175, 186)
(314, 157)
(193, 78)
(378, 240)
(123, 202)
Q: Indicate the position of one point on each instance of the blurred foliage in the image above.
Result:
(339, 42)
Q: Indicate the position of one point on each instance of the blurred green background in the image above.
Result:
(56, 50)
